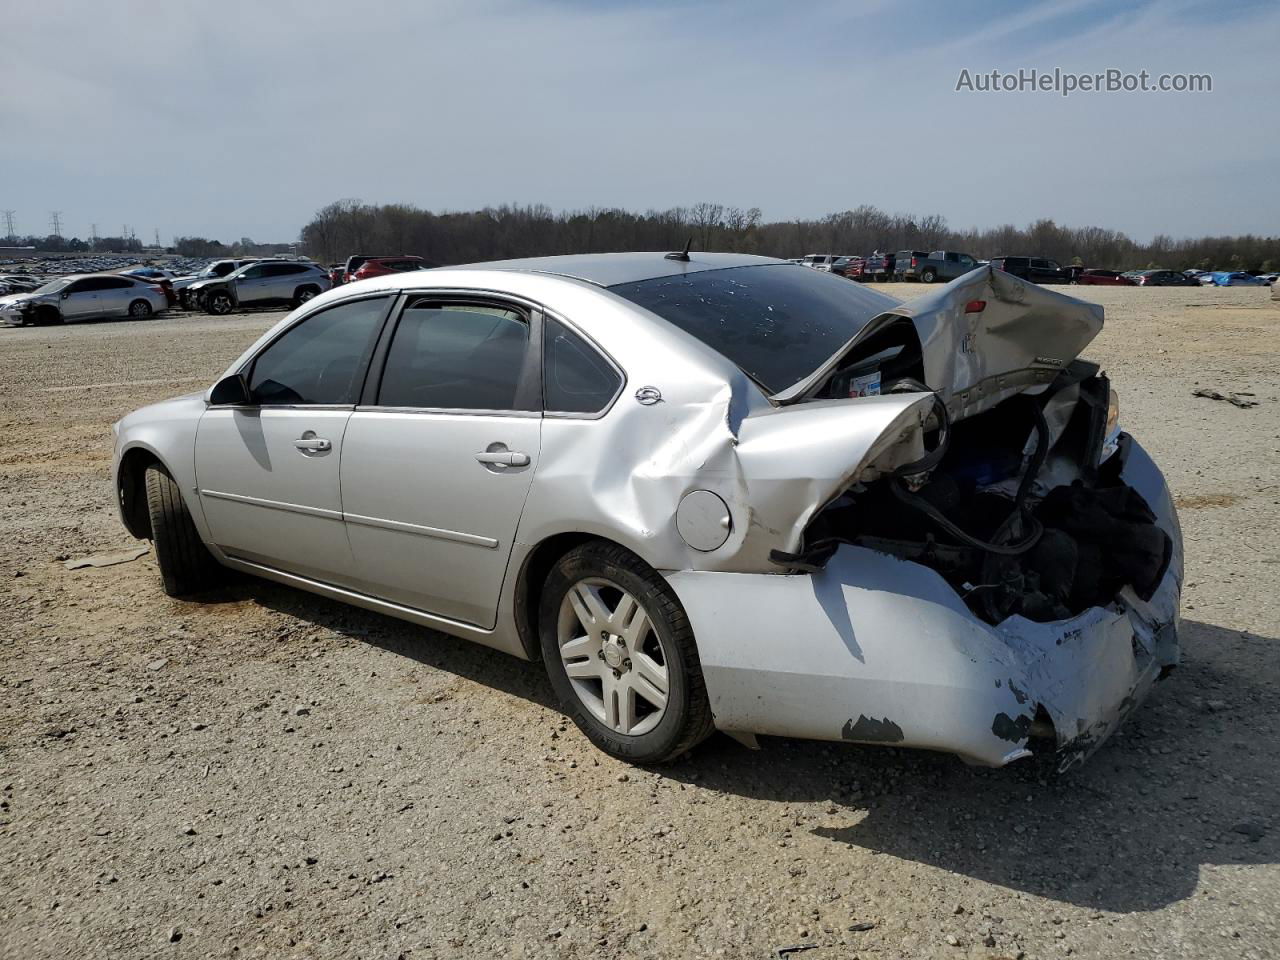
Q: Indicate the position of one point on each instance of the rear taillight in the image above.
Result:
(158, 289)
(913, 261)
(975, 306)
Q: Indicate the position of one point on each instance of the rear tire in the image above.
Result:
(186, 566)
(140, 310)
(303, 295)
(664, 648)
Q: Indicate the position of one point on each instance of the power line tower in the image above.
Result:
(157, 236)
(55, 221)
(93, 233)
(8, 223)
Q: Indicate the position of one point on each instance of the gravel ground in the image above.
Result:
(273, 774)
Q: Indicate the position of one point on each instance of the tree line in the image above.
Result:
(494, 233)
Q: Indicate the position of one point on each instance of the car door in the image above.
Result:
(252, 284)
(116, 295)
(437, 465)
(80, 300)
(268, 471)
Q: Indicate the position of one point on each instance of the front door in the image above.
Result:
(268, 472)
(435, 473)
(80, 300)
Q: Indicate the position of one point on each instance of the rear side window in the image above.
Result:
(576, 378)
(456, 357)
(320, 360)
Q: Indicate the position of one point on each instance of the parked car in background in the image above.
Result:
(1107, 278)
(157, 276)
(19, 283)
(879, 267)
(1035, 269)
(1269, 278)
(381, 266)
(819, 261)
(940, 265)
(1165, 278)
(84, 298)
(214, 271)
(266, 283)
(1229, 278)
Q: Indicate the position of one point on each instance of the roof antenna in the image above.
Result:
(683, 255)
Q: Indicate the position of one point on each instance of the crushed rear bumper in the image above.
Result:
(873, 649)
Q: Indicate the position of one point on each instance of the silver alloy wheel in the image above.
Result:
(139, 308)
(306, 295)
(220, 304)
(613, 656)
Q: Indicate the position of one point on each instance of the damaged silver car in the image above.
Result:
(708, 491)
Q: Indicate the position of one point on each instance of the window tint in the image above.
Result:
(321, 359)
(114, 283)
(777, 323)
(576, 379)
(252, 273)
(455, 357)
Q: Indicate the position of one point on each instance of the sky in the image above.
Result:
(240, 119)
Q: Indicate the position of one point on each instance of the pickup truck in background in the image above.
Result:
(940, 265)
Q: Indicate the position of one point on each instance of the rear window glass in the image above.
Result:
(775, 321)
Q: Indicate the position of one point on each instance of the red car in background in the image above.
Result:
(1107, 278)
(381, 266)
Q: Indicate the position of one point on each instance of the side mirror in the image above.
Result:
(230, 392)
(65, 294)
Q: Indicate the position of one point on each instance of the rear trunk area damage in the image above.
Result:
(997, 568)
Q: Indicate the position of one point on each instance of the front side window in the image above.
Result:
(252, 273)
(576, 378)
(456, 357)
(321, 359)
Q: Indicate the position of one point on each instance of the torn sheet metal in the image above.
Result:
(873, 649)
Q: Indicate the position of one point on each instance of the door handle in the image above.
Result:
(312, 444)
(504, 458)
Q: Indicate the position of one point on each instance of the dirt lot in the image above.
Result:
(272, 774)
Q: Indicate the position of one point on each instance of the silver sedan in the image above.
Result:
(85, 297)
(707, 491)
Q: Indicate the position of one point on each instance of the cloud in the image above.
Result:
(242, 118)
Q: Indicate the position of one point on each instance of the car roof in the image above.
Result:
(610, 269)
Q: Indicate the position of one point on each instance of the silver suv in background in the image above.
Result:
(266, 283)
(214, 271)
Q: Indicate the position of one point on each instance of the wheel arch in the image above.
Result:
(131, 489)
(532, 578)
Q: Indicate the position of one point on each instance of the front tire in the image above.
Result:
(219, 304)
(928, 275)
(186, 566)
(621, 656)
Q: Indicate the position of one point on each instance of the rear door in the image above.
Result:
(437, 466)
(116, 295)
(267, 472)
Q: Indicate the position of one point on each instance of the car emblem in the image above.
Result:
(648, 396)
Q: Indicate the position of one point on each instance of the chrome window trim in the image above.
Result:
(245, 367)
(450, 411)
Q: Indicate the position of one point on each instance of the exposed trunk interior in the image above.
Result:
(1015, 507)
